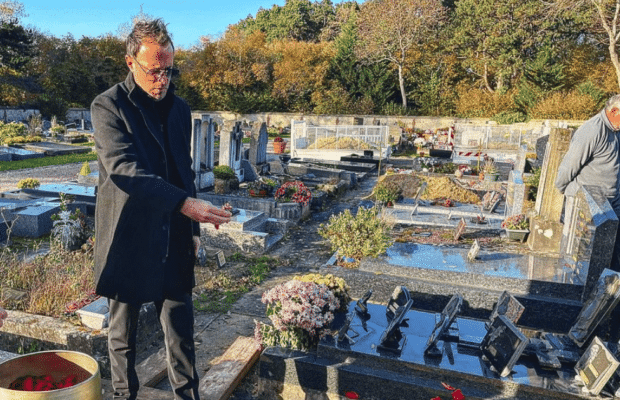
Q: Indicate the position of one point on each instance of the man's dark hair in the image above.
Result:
(147, 29)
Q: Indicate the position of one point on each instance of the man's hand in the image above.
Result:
(203, 211)
(3, 316)
(196, 244)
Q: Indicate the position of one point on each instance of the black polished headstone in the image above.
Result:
(503, 345)
(447, 318)
(508, 306)
(602, 301)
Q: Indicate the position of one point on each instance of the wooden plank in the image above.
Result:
(222, 379)
(153, 370)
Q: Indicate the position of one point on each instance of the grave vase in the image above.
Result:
(517, 234)
(278, 147)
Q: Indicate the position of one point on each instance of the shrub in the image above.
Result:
(51, 282)
(509, 117)
(363, 235)
(300, 313)
(58, 129)
(387, 191)
(480, 103)
(224, 172)
(21, 139)
(28, 183)
(566, 105)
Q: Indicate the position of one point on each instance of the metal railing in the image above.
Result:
(338, 137)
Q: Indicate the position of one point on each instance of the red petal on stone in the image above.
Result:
(457, 395)
(436, 398)
(351, 395)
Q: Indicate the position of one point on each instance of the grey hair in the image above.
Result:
(614, 101)
(147, 29)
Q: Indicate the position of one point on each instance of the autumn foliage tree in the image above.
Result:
(389, 29)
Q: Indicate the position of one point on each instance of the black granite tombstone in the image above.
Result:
(602, 301)
(508, 306)
(503, 345)
(447, 318)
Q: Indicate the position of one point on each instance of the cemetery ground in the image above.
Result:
(227, 300)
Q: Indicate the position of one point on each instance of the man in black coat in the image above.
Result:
(146, 218)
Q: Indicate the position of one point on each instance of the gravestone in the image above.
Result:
(460, 228)
(546, 229)
(231, 147)
(515, 194)
(473, 252)
(602, 301)
(541, 148)
(521, 159)
(203, 143)
(596, 366)
(588, 237)
(257, 155)
(508, 306)
(446, 319)
(503, 345)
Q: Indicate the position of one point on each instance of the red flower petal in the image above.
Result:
(351, 395)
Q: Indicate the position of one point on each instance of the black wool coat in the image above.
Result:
(143, 244)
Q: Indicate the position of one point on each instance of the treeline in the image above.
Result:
(510, 60)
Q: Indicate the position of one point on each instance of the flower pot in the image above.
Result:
(491, 176)
(258, 193)
(278, 147)
(59, 364)
(517, 234)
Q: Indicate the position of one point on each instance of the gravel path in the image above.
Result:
(51, 174)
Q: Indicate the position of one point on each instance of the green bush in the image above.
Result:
(364, 235)
(509, 117)
(224, 172)
(21, 139)
(28, 183)
(387, 191)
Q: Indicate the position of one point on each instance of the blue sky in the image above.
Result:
(187, 20)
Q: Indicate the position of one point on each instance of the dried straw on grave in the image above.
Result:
(444, 187)
(437, 188)
(333, 143)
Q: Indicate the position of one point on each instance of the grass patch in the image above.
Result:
(51, 282)
(220, 293)
(47, 161)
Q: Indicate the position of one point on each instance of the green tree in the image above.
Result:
(299, 20)
(361, 81)
(390, 29)
(602, 20)
(496, 38)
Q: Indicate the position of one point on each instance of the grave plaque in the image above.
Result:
(447, 317)
(220, 259)
(392, 339)
(460, 228)
(596, 366)
(473, 252)
(602, 301)
(399, 298)
(508, 306)
(503, 345)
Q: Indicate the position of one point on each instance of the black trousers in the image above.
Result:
(177, 321)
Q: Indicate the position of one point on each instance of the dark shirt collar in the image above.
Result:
(139, 96)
